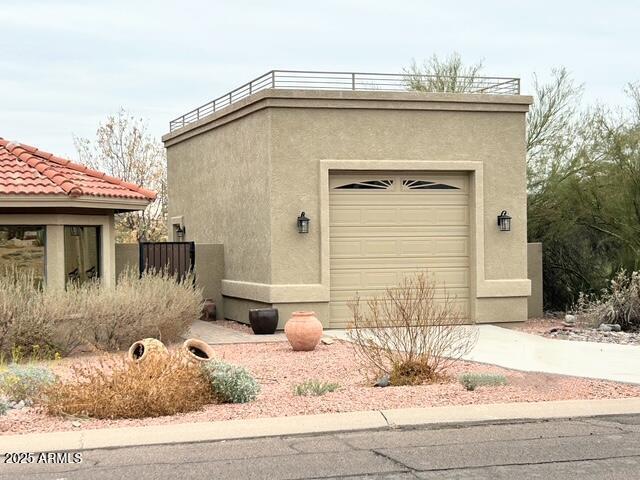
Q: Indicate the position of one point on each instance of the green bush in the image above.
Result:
(315, 388)
(24, 382)
(4, 406)
(471, 381)
(231, 383)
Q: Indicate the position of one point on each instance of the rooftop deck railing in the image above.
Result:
(355, 81)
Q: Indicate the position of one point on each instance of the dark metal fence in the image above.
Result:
(178, 258)
(383, 82)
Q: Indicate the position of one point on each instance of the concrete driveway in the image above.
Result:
(533, 353)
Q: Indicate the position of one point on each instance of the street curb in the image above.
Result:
(311, 424)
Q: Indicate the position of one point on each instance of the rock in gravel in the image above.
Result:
(76, 424)
(604, 327)
(570, 319)
(615, 327)
(383, 381)
(327, 340)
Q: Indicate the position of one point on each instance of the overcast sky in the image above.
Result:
(66, 65)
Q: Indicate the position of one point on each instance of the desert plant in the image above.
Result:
(620, 303)
(116, 388)
(315, 388)
(471, 381)
(52, 321)
(4, 406)
(231, 383)
(155, 305)
(409, 332)
(24, 382)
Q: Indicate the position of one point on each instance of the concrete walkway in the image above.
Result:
(312, 424)
(215, 334)
(533, 353)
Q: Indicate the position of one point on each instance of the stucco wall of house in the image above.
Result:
(219, 183)
(280, 139)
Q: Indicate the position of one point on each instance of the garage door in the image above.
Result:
(383, 226)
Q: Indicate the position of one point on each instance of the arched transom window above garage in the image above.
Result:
(400, 183)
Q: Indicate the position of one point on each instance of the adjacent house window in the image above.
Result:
(81, 253)
(22, 247)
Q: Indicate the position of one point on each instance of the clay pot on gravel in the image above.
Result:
(146, 349)
(208, 310)
(264, 321)
(303, 331)
(196, 351)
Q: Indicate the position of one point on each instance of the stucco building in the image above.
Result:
(393, 181)
(57, 217)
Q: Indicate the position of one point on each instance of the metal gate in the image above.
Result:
(178, 258)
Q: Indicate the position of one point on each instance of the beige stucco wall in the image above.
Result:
(54, 250)
(534, 271)
(286, 143)
(219, 183)
(127, 257)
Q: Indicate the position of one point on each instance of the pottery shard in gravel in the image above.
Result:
(303, 330)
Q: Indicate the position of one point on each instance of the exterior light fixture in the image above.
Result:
(303, 223)
(76, 231)
(504, 221)
(180, 231)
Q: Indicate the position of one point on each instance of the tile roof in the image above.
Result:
(25, 170)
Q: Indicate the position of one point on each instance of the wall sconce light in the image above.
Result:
(303, 223)
(504, 221)
(180, 231)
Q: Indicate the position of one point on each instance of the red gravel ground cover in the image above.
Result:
(279, 369)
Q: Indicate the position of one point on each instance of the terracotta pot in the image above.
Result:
(303, 331)
(145, 349)
(208, 310)
(196, 351)
(264, 321)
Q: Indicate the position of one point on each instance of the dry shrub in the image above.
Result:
(408, 334)
(24, 322)
(154, 305)
(117, 388)
(620, 303)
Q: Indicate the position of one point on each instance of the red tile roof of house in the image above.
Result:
(25, 170)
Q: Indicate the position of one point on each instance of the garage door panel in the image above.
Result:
(381, 278)
(342, 316)
(367, 216)
(377, 237)
(384, 247)
(402, 263)
(351, 232)
(455, 294)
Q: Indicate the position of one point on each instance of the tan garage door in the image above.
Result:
(383, 226)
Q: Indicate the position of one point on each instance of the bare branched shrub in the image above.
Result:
(620, 303)
(409, 334)
(117, 388)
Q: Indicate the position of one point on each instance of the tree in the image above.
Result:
(124, 149)
(447, 75)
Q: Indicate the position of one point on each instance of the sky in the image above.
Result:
(66, 65)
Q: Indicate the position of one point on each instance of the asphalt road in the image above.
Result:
(596, 448)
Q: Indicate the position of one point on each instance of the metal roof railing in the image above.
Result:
(355, 81)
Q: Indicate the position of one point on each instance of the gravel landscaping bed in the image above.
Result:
(279, 370)
(557, 328)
